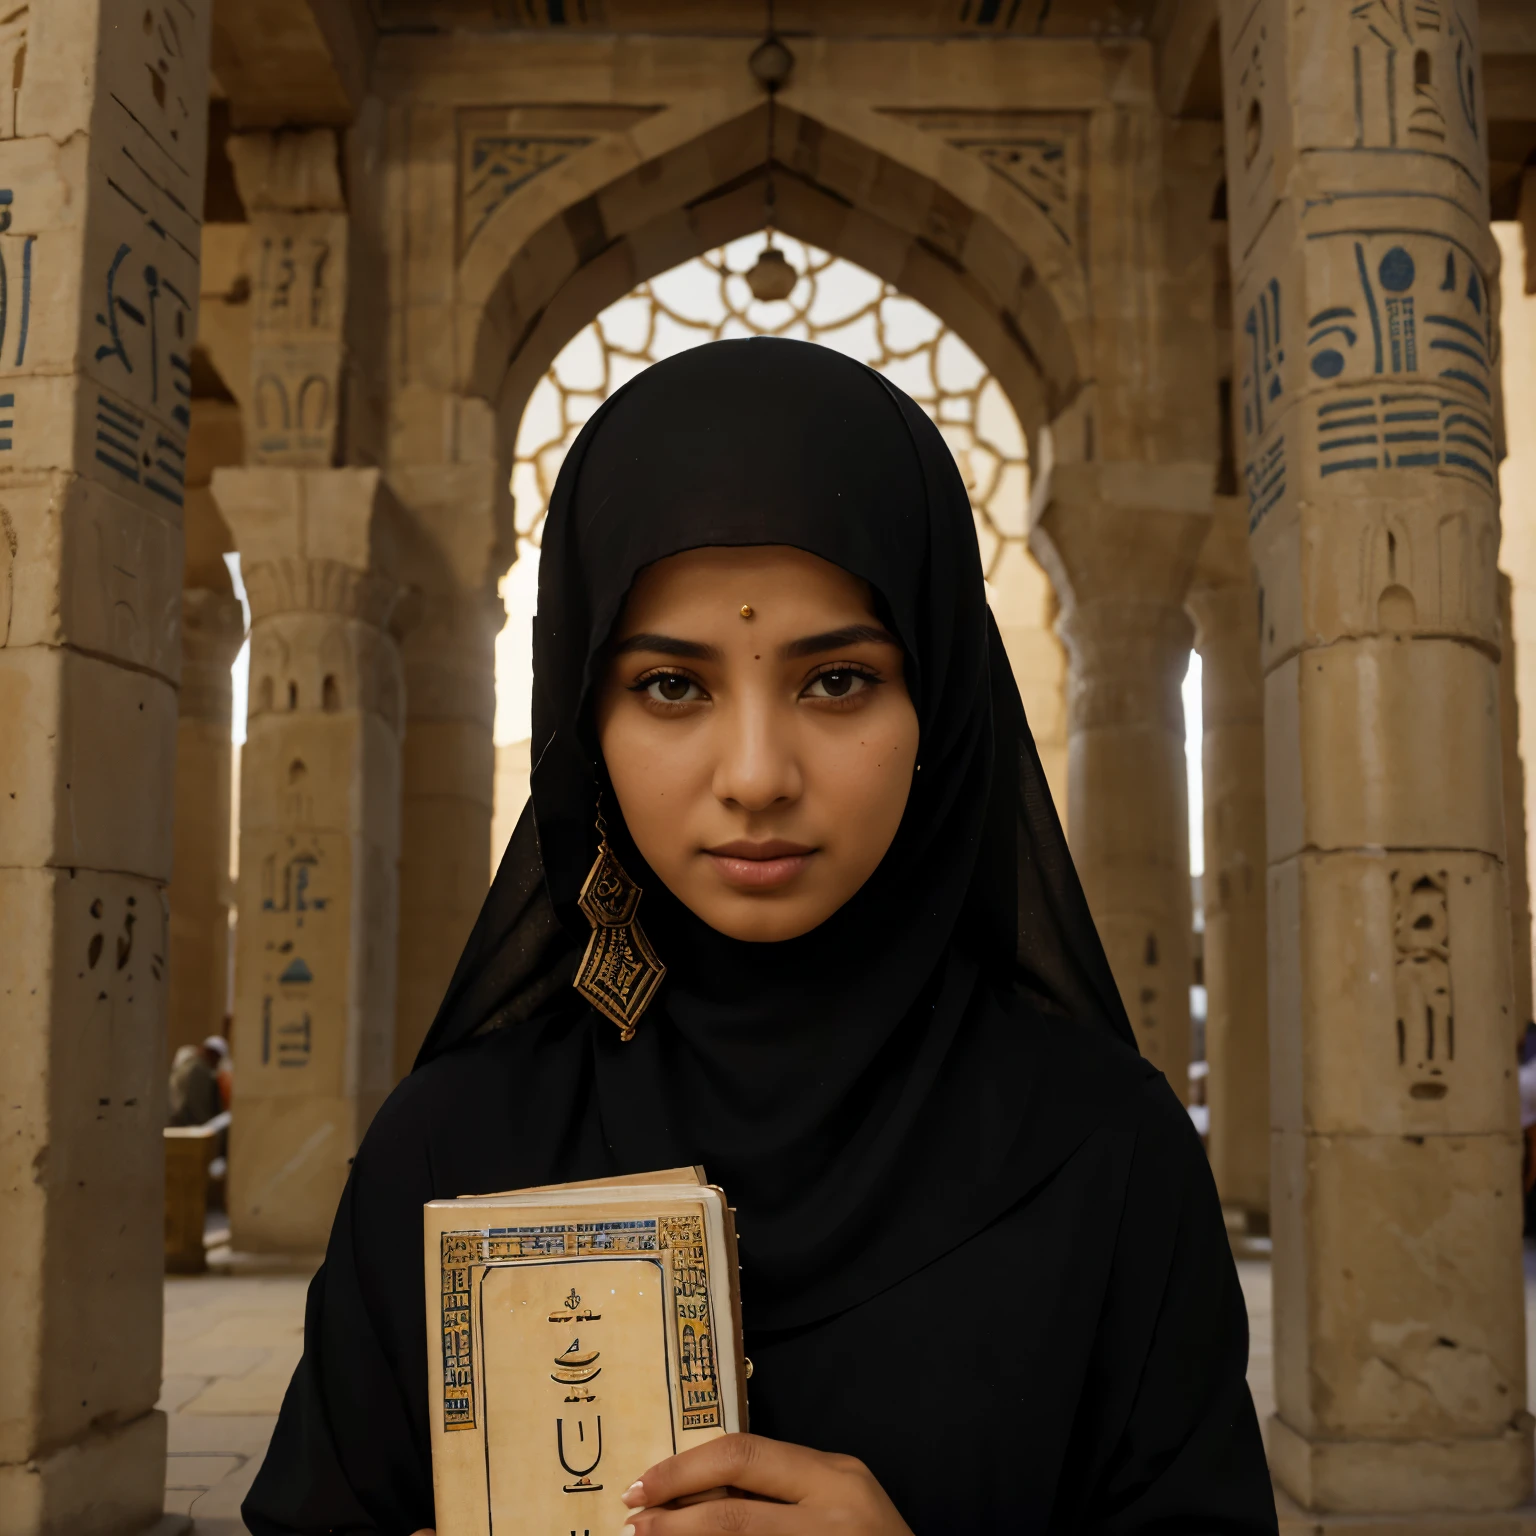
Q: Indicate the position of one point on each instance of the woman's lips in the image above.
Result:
(759, 866)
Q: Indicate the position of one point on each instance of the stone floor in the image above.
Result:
(233, 1338)
(1254, 1273)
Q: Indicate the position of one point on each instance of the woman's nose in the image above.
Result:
(757, 765)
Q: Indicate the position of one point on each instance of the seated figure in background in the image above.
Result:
(195, 1096)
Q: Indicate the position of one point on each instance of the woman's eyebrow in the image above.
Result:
(835, 639)
(666, 645)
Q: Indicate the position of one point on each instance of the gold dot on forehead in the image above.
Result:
(746, 610)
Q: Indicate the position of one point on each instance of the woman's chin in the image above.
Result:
(769, 916)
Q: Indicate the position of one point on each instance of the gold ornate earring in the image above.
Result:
(619, 972)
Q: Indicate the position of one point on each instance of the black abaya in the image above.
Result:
(981, 1246)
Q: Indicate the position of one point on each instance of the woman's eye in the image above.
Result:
(838, 684)
(673, 688)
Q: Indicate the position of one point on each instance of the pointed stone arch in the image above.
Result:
(939, 223)
(806, 213)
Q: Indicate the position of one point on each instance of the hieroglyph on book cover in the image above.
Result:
(593, 1339)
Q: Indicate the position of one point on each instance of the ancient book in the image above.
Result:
(577, 1334)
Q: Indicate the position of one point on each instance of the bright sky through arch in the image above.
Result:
(836, 304)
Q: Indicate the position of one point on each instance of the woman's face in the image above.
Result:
(756, 725)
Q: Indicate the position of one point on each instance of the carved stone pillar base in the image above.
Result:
(1404, 1477)
(1296, 1521)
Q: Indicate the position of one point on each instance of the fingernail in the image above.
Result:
(628, 1530)
(633, 1495)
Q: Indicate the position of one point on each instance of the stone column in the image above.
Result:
(1363, 279)
(319, 841)
(102, 141)
(449, 457)
(1517, 487)
(449, 772)
(1120, 542)
(1515, 852)
(1025, 607)
(1225, 606)
(320, 776)
(456, 488)
(201, 894)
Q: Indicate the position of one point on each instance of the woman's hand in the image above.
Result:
(763, 1488)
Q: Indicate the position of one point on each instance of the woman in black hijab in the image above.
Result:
(982, 1251)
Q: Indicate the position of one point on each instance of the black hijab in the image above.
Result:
(843, 1087)
(981, 1246)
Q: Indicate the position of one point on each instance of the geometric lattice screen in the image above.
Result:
(834, 303)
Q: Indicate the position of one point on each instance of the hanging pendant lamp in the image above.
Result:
(771, 277)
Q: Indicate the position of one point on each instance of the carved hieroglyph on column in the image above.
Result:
(102, 141)
(291, 186)
(319, 841)
(1362, 263)
(1225, 606)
